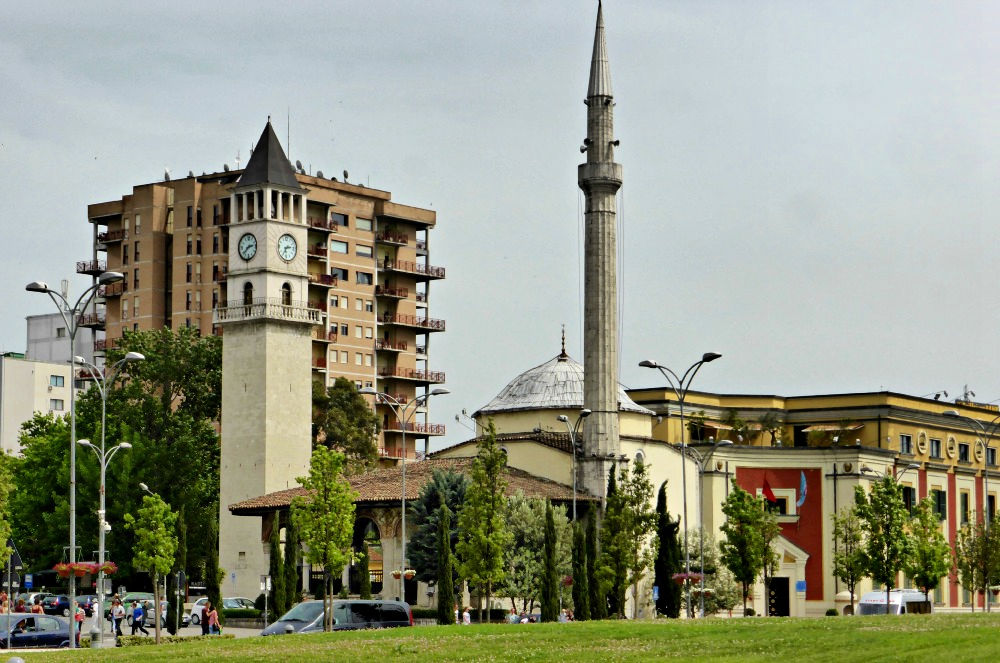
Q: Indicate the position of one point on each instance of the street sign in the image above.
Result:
(27, 581)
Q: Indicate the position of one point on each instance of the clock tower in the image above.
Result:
(266, 350)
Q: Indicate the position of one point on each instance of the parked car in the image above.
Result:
(307, 617)
(194, 615)
(29, 597)
(58, 604)
(238, 603)
(901, 602)
(28, 630)
(127, 598)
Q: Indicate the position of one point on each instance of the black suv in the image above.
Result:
(307, 617)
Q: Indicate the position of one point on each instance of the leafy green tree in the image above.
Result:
(446, 488)
(581, 592)
(214, 574)
(883, 520)
(293, 565)
(769, 531)
(156, 544)
(7, 464)
(611, 560)
(977, 558)
(344, 422)
(930, 555)
(668, 559)
(743, 550)
(326, 520)
(550, 573)
(175, 600)
(702, 543)
(275, 567)
(595, 583)
(445, 579)
(849, 564)
(524, 558)
(771, 424)
(625, 536)
(482, 531)
(365, 576)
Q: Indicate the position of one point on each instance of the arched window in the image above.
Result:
(286, 294)
(247, 293)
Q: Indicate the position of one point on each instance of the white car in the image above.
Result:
(194, 615)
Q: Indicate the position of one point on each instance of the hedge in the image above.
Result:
(242, 613)
(142, 640)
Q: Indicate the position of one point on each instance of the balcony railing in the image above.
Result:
(92, 267)
(321, 335)
(320, 363)
(417, 374)
(391, 237)
(396, 452)
(422, 297)
(401, 399)
(112, 289)
(421, 245)
(102, 344)
(390, 291)
(112, 236)
(415, 427)
(91, 320)
(323, 279)
(318, 250)
(411, 267)
(386, 344)
(322, 224)
(407, 320)
(266, 307)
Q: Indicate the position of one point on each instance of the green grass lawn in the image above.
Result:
(936, 638)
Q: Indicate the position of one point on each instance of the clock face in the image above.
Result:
(248, 246)
(286, 247)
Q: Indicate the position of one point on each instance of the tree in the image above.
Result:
(175, 600)
(326, 520)
(977, 557)
(446, 488)
(721, 592)
(293, 563)
(344, 422)
(445, 579)
(770, 423)
(883, 520)
(742, 551)
(524, 559)
(7, 464)
(769, 531)
(213, 574)
(668, 559)
(849, 552)
(156, 544)
(550, 574)
(930, 555)
(365, 590)
(581, 591)
(482, 531)
(275, 567)
(595, 584)
(611, 560)
(628, 523)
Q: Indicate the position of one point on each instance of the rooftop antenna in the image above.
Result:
(345, 176)
(967, 394)
(237, 159)
(166, 174)
(64, 288)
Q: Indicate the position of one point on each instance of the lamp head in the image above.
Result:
(368, 391)
(440, 391)
(144, 486)
(563, 418)
(648, 363)
(124, 445)
(710, 356)
(134, 356)
(110, 277)
(77, 359)
(38, 286)
(84, 443)
(951, 413)
(724, 443)
(913, 466)
(585, 412)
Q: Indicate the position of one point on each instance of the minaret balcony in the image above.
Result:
(392, 237)
(266, 308)
(325, 280)
(387, 345)
(415, 427)
(414, 374)
(406, 320)
(390, 291)
(92, 267)
(410, 267)
(608, 174)
(112, 236)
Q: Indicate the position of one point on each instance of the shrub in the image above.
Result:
(142, 640)
(424, 613)
(242, 613)
(832, 612)
(749, 612)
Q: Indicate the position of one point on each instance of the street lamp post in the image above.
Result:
(988, 430)
(104, 456)
(680, 386)
(702, 464)
(70, 315)
(584, 413)
(404, 412)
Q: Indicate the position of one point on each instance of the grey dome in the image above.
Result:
(555, 385)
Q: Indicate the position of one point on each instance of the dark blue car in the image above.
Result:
(29, 630)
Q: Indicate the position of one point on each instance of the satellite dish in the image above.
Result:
(345, 175)
(319, 173)
(166, 174)
(298, 164)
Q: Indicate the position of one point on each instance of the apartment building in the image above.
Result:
(26, 387)
(369, 274)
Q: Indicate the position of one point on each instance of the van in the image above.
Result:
(307, 617)
(901, 602)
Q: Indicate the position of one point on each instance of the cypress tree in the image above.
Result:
(611, 563)
(213, 574)
(180, 564)
(581, 596)
(598, 600)
(365, 577)
(445, 585)
(276, 597)
(550, 576)
(668, 555)
(293, 562)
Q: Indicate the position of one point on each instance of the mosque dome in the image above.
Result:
(555, 385)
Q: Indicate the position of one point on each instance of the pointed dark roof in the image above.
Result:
(600, 72)
(268, 163)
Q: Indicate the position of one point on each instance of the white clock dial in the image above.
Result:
(287, 247)
(248, 246)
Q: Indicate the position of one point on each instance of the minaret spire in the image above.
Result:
(600, 178)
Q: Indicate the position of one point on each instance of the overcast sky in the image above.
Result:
(810, 188)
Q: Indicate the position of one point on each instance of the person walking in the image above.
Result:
(138, 617)
(204, 617)
(212, 617)
(36, 607)
(78, 616)
(117, 617)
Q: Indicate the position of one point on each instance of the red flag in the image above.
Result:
(768, 493)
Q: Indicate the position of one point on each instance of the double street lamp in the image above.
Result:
(680, 386)
(702, 464)
(404, 411)
(70, 315)
(573, 430)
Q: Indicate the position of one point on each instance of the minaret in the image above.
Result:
(600, 178)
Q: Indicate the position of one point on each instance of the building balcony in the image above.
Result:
(111, 236)
(390, 291)
(421, 245)
(269, 308)
(391, 237)
(317, 250)
(92, 267)
(319, 363)
(326, 280)
(421, 349)
(400, 399)
(219, 276)
(112, 289)
(407, 320)
(414, 374)
(410, 267)
(104, 344)
(390, 346)
(318, 223)
(320, 335)
(417, 428)
(397, 453)
(422, 297)
(91, 320)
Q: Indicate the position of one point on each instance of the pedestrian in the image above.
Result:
(213, 619)
(138, 617)
(117, 616)
(562, 616)
(36, 607)
(20, 606)
(204, 617)
(466, 617)
(78, 616)
(458, 614)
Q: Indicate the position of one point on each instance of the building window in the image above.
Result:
(991, 456)
(247, 293)
(991, 507)
(906, 444)
(364, 278)
(124, 254)
(344, 329)
(57, 381)
(338, 219)
(363, 224)
(940, 503)
(935, 448)
(198, 217)
(135, 326)
(358, 358)
(135, 307)
(369, 306)
(368, 332)
(215, 243)
(135, 251)
(335, 301)
(190, 244)
(215, 298)
(56, 404)
(963, 452)
(197, 246)
(197, 272)
(215, 215)
(225, 243)
(964, 508)
(189, 216)
(135, 279)
(60, 332)
(909, 498)
(197, 301)
(363, 251)
(189, 271)
(343, 302)
(124, 308)
(343, 356)
(286, 294)
(357, 331)
(359, 304)
(339, 272)
(138, 223)
(337, 246)
(368, 360)
(187, 301)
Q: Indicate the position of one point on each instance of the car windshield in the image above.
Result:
(304, 612)
(875, 608)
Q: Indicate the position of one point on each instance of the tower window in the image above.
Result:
(286, 294)
(906, 444)
(247, 293)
